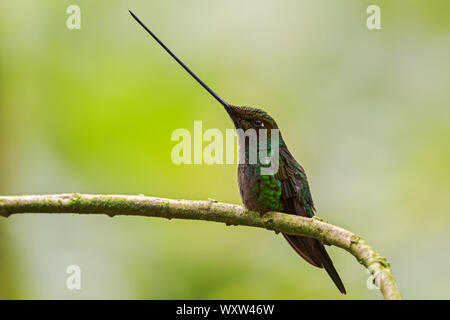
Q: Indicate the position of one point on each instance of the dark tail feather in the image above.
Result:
(329, 267)
(314, 252)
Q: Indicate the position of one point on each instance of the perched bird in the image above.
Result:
(285, 190)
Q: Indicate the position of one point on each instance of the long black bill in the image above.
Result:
(204, 85)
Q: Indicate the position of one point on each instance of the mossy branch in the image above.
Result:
(210, 210)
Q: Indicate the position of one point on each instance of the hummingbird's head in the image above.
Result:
(250, 118)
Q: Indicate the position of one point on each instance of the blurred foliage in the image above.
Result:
(92, 110)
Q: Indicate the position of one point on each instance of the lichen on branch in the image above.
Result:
(210, 210)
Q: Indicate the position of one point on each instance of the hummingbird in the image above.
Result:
(286, 190)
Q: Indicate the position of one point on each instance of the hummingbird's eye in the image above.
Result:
(258, 123)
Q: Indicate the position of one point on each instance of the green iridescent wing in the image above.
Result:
(296, 199)
(294, 183)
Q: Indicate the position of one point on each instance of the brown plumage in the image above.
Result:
(294, 196)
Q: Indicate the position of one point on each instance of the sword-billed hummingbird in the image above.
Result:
(286, 190)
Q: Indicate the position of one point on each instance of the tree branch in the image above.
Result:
(210, 210)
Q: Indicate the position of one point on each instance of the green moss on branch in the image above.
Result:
(210, 210)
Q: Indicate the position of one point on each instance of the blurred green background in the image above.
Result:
(92, 111)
